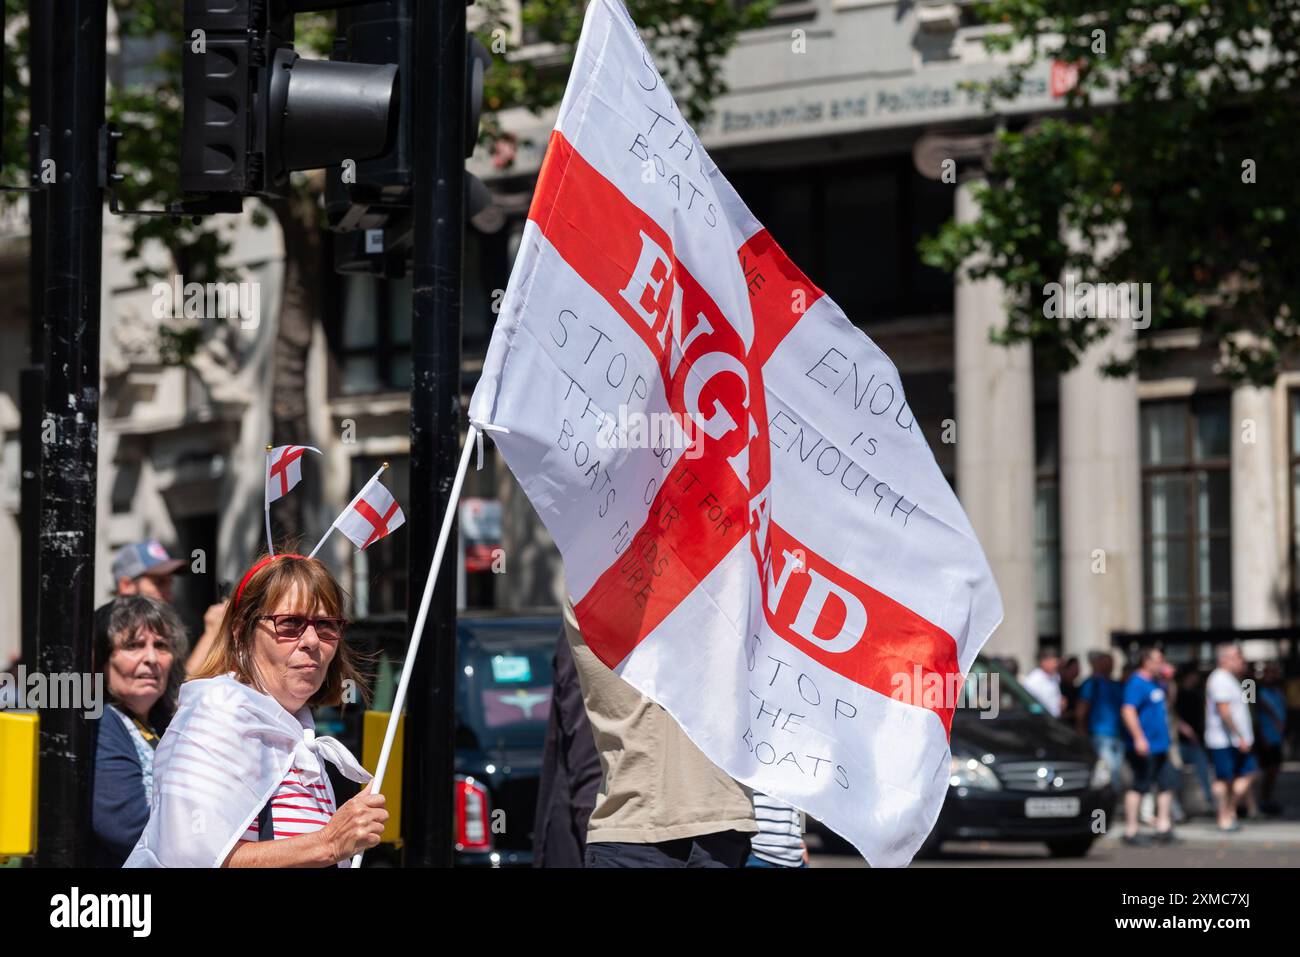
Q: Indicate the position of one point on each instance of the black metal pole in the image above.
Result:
(40, 33)
(439, 191)
(39, 23)
(31, 396)
(70, 420)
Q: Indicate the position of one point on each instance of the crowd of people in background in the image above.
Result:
(1229, 725)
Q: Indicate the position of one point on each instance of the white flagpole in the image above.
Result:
(356, 498)
(412, 649)
(266, 502)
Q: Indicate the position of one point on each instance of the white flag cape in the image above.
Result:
(222, 757)
(799, 587)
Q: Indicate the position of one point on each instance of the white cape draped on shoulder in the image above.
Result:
(224, 754)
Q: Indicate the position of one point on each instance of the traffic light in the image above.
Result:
(372, 200)
(255, 110)
(369, 206)
(478, 61)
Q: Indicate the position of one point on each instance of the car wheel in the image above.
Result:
(1070, 847)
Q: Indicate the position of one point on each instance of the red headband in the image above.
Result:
(258, 566)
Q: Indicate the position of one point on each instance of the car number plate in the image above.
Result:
(1052, 807)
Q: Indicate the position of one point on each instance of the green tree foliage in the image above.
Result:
(1172, 163)
(13, 147)
(688, 38)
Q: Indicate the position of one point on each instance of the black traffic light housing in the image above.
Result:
(379, 187)
(370, 211)
(255, 110)
(323, 112)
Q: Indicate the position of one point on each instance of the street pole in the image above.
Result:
(39, 32)
(438, 194)
(70, 419)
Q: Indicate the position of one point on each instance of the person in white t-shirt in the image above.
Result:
(1229, 737)
(1044, 682)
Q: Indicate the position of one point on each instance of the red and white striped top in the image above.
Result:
(304, 802)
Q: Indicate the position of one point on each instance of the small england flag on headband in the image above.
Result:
(284, 469)
(373, 515)
(369, 517)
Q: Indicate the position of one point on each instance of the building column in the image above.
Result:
(1259, 573)
(1101, 506)
(995, 449)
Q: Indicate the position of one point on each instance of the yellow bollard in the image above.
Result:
(19, 748)
(372, 742)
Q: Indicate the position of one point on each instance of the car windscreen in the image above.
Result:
(987, 678)
(504, 691)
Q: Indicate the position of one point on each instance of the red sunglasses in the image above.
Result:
(293, 626)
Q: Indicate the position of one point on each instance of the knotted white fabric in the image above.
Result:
(479, 429)
(224, 754)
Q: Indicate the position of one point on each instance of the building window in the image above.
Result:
(489, 258)
(374, 353)
(852, 229)
(1186, 513)
(1047, 524)
(379, 573)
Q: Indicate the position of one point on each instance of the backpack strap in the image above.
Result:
(265, 825)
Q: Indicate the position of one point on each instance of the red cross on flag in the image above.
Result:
(797, 584)
(372, 515)
(284, 469)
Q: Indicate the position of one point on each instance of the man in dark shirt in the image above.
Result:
(1070, 689)
(566, 793)
(1189, 707)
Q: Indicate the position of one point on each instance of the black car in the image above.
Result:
(503, 701)
(1018, 774)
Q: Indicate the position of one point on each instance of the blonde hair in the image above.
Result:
(260, 593)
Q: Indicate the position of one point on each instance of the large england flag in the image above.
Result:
(755, 533)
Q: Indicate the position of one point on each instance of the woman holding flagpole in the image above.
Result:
(240, 777)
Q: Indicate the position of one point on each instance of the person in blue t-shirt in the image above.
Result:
(1097, 714)
(1147, 722)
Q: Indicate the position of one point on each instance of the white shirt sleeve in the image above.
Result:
(1048, 692)
(1222, 687)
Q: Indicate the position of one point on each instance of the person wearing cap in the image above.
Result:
(145, 568)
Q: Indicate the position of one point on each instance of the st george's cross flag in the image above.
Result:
(755, 532)
(284, 469)
(373, 514)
